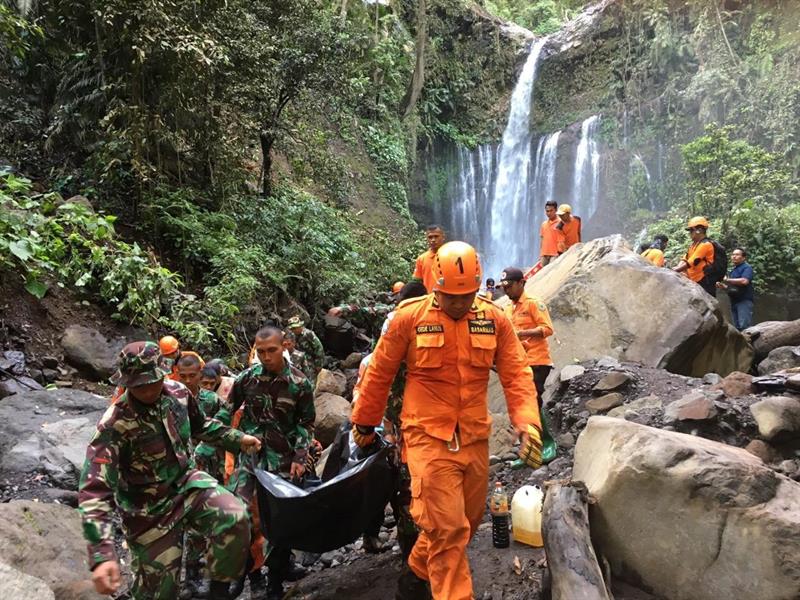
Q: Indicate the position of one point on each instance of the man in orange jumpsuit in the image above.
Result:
(449, 341)
(570, 227)
(551, 238)
(423, 268)
(531, 321)
(699, 256)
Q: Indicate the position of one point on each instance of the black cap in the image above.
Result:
(510, 275)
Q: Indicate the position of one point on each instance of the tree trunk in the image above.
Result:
(574, 570)
(343, 13)
(767, 336)
(418, 77)
(267, 140)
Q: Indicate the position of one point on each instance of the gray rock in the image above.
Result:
(711, 379)
(566, 440)
(761, 449)
(613, 381)
(20, 385)
(331, 382)
(13, 361)
(604, 403)
(777, 417)
(571, 372)
(694, 406)
(607, 362)
(790, 468)
(90, 352)
(49, 362)
(332, 411)
(352, 361)
(48, 431)
(16, 584)
(646, 403)
(736, 522)
(45, 541)
(793, 383)
(735, 385)
(502, 437)
(588, 294)
(786, 357)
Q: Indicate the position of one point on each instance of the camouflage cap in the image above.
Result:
(295, 322)
(139, 365)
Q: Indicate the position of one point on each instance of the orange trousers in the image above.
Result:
(448, 499)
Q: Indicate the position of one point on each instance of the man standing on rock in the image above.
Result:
(699, 256)
(570, 228)
(532, 323)
(277, 405)
(308, 343)
(423, 268)
(449, 340)
(140, 462)
(550, 236)
(739, 285)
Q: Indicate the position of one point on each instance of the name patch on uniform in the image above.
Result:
(482, 326)
(432, 328)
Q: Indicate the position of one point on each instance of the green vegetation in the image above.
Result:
(541, 17)
(748, 195)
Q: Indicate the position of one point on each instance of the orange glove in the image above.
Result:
(363, 435)
(530, 451)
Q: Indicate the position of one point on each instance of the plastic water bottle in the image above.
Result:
(498, 504)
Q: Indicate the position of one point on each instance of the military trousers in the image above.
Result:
(156, 549)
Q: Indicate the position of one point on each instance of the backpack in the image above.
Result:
(716, 270)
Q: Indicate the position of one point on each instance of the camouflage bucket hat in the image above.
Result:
(138, 365)
(295, 322)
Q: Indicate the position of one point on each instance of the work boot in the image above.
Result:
(296, 572)
(372, 544)
(218, 590)
(237, 587)
(194, 585)
(258, 585)
(411, 587)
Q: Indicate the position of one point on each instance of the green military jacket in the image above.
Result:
(309, 343)
(140, 461)
(211, 405)
(279, 409)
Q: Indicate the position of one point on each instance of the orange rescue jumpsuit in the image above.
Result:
(530, 313)
(423, 269)
(446, 422)
(572, 233)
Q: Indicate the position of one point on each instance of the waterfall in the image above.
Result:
(586, 178)
(649, 181)
(510, 225)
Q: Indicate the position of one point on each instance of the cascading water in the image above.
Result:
(511, 223)
(586, 177)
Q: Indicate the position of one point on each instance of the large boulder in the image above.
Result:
(785, 357)
(605, 299)
(91, 352)
(332, 411)
(45, 541)
(690, 518)
(768, 335)
(16, 584)
(48, 431)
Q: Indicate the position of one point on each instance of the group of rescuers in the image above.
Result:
(176, 451)
(175, 458)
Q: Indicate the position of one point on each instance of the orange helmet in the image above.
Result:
(698, 222)
(168, 344)
(457, 269)
(398, 285)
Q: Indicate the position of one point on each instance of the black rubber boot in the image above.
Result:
(218, 590)
(406, 542)
(411, 587)
(274, 590)
(296, 571)
(258, 585)
(237, 587)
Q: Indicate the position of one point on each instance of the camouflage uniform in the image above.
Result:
(140, 462)
(300, 361)
(279, 409)
(368, 318)
(308, 343)
(210, 459)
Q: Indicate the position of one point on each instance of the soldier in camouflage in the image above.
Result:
(278, 406)
(307, 342)
(209, 458)
(297, 358)
(140, 462)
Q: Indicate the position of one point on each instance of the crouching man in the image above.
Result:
(139, 462)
